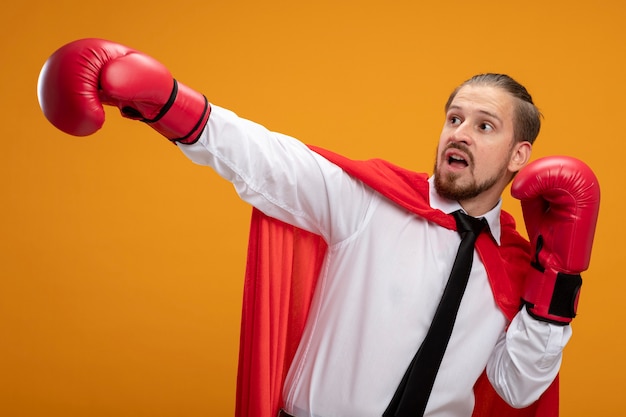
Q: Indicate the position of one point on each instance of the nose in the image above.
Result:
(462, 133)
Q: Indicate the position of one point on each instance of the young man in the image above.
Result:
(390, 239)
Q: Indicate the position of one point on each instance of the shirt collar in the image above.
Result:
(449, 206)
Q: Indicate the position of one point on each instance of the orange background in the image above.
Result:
(121, 262)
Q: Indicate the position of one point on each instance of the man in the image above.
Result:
(390, 241)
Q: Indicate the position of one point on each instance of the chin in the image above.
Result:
(448, 187)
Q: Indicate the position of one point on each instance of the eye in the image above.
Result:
(454, 120)
(485, 127)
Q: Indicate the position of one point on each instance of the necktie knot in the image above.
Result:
(466, 223)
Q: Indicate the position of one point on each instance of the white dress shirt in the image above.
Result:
(382, 279)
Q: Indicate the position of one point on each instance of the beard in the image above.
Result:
(447, 185)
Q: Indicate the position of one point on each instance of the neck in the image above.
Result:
(481, 204)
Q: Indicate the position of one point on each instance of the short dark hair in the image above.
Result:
(527, 115)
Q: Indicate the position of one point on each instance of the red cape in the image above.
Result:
(282, 269)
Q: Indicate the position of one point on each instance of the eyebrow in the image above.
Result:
(488, 113)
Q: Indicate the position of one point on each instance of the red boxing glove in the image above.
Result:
(560, 199)
(83, 75)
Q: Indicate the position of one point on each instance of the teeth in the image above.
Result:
(457, 159)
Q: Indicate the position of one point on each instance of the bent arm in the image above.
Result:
(527, 359)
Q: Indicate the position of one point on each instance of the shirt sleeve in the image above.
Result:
(281, 176)
(526, 359)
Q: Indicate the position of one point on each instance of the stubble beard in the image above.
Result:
(447, 185)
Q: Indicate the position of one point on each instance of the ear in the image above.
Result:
(520, 155)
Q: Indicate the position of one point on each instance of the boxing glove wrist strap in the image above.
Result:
(166, 107)
(183, 116)
(552, 296)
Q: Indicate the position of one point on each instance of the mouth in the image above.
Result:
(456, 159)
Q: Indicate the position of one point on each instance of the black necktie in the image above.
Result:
(412, 394)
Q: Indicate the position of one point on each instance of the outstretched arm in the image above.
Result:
(276, 173)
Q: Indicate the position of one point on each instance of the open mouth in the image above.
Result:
(456, 160)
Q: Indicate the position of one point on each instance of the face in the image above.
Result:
(477, 154)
